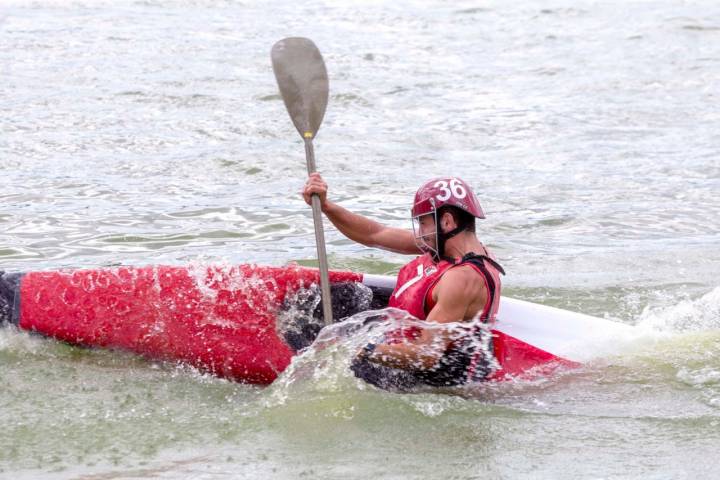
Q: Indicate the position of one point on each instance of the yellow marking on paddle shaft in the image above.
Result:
(308, 134)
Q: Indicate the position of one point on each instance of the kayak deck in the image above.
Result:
(246, 322)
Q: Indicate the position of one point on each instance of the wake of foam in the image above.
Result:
(699, 315)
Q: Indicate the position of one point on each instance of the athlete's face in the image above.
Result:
(427, 229)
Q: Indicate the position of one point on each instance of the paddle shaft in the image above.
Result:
(302, 78)
(319, 237)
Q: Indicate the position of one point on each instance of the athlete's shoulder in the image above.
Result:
(462, 280)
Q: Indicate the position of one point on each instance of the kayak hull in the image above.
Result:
(221, 320)
(228, 320)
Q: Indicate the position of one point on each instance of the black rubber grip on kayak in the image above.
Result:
(10, 297)
(348, 298)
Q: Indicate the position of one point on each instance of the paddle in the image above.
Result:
(302, 78)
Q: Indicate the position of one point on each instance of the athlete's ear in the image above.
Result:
(447, 222)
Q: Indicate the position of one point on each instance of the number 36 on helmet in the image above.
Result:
(446, 191)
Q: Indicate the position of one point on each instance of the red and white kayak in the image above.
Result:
(229, 320)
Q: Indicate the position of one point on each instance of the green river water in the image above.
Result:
(151, 132)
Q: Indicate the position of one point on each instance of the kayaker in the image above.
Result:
(455, 281)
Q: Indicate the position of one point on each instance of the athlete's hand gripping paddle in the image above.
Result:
(302, 78)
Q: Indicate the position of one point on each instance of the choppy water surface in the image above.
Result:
(151, 132)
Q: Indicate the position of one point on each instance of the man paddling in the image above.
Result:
(455, 279)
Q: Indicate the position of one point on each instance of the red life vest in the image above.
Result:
(462, 361)
(417, 279)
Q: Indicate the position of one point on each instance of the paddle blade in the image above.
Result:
(301, 75)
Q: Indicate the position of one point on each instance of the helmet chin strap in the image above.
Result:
(441, 238)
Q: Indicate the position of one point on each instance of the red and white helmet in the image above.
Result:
(442, 191)
(433, 195)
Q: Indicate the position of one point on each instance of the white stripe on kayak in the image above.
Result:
(570, 335)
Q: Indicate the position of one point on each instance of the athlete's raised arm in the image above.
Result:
(356, 227)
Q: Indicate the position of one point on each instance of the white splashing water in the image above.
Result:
(324, 367)
(699, 315)
(13, 340)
